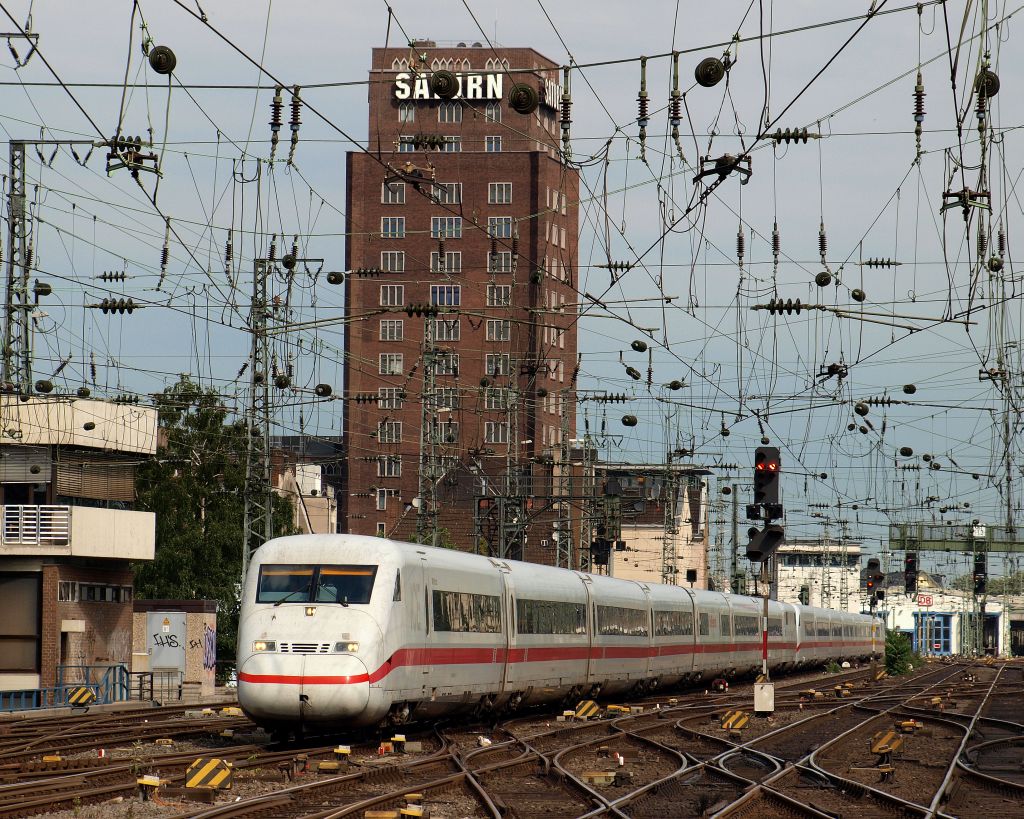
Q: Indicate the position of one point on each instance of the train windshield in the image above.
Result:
(280, 583)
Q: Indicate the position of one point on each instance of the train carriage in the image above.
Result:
(345, 630)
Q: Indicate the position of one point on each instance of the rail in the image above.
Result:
(36, 525)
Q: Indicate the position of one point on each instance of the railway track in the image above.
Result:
(673, 759)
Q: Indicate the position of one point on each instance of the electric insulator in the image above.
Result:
(776, 240)
(1000, 242)
(906, 451)
(982, 241)
(118, 306)
(792, 135)
(822, 243)
(741, 245)
(919, 96)
(851, 427)
(92, 366)
(276, 107)
(639, 345)
(515, 251)
(857, 294)
(909, 389)
(30, 256)
(335, 277)
(282, 381)
(789, 306)
(675, 385)
(288, 261)
(444, 84)
(643, 101)
(296, 110)
(861, 408)
(523, 98)
(880, 263)
(162, 60)
(726, 490)
(44, 386)
(863, 430)
(724, 432)
(541, 392)
(987, 84)
(566, 108)
(272, 253)
(633, 373)
(83, 392)
(229, 252)
(823, 279)
(629, 420)
(709, 72)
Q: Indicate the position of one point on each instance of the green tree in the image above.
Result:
(195, 485)
(898, 653)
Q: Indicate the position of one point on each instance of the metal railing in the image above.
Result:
(36, 525)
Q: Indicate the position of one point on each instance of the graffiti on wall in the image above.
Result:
(209, 648)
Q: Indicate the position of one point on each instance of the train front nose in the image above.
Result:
(308, 689)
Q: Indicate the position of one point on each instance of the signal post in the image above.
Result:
(762, 546)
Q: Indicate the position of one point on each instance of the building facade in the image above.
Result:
(823, 573)
(460, 350)
(67, 481)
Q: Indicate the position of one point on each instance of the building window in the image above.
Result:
(406, 144)
(497, 364)
(499, 193)
(389, 432)
(406, 112)
(67, 591)
(447, 329)
(392, 295)
(446, 295)
(500, 262)
(495, 432)
(391, 364)
(382, 500)
(389, 466)
(392, 261)
(452, 262)
(499, 330)
(492, 144)
(446, 398)
(562, 232)
(448, 193)
(382, 530)
(499, 227)
(492, 112)
(451, 145)
(392, 330)
(449, 112)
(444, 227)
(446, 432)
(392, 227)
(392, 193)
(499, 295)
(496, 398)
(565, 203)
(446, 364)
(390, 398)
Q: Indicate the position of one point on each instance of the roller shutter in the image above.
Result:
(25, 464)
(81, 477)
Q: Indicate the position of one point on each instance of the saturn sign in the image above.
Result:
(471, 87)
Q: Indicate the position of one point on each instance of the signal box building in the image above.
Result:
(70, 532)
(460, 351)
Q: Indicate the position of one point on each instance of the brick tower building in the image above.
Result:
(460, 351)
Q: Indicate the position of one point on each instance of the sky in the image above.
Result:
(847, 79)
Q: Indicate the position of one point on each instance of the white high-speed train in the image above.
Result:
(341, 631)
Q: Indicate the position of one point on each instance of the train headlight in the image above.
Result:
(264, 645)
(351, 648)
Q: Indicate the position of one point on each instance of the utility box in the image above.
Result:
(180, 639)
(764, 698)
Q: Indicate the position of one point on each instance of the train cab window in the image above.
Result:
(398, 586)
(726, 626)
(702, 624)
(344, 584)
(281, 583)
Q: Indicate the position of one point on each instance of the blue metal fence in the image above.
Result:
(110, 683)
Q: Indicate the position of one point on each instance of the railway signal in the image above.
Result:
(873, 581)
(764, 542)
(910, 573)
(980, 573)
(767, 476)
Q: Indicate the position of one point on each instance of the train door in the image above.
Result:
(508, 604)
(650, 627)
(421, 623)
(591, 625)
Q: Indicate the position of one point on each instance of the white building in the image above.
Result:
(823, 573)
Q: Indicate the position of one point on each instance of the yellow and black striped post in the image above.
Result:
(209, 773)
(81, 696)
